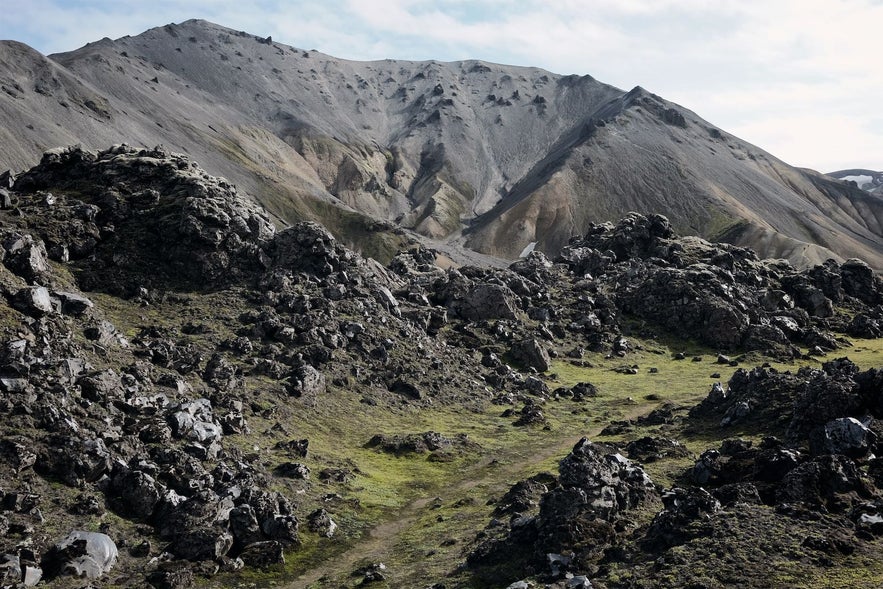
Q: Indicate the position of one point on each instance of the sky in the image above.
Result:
(801, 79)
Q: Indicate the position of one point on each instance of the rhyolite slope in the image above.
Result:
(484, 156)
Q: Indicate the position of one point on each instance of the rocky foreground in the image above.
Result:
(152, 316)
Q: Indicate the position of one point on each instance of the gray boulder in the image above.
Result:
(845, 435)
(487, 301)
(81, 554)
(73, 303)
(34, 301)
(26, 257)
(306, 381)
(283, 528)
(578, 582)
(532, 354)
(195, 421)
(611, 482)
(320, 522)
(263, 554)
(202, 544)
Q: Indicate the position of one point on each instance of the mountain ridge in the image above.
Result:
(310, 135)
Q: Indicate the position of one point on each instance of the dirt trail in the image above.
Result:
(378, 543)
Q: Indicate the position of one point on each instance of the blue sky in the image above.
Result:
(799, 78)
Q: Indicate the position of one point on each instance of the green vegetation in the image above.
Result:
(400, 510)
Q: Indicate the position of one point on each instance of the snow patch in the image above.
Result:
(861, 181)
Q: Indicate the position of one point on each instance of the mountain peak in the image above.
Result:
(492, 156)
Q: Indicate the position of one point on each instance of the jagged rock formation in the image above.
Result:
(350, 144)
(129, 207)
(819, 489)
(151, 316)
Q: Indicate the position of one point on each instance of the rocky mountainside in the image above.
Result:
(191, 396)
(498, 159)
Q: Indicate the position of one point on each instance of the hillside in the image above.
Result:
(194, 398)
(488, 157)
(867, 180)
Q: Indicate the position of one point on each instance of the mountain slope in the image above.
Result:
(868, 180)
(510, 155)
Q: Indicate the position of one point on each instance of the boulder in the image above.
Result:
(283, 528)
(81, 554)
(101, 385)
(206, 543)
(263, 554)
(34, 301)
(845, 435)
(177, 577)
(25, 256)
(293, 470)
(244, 525)
(411, 443)
(321, 523)
(523, 496)
(17, 455)
(859, 281)
(309, 247)
(195, 421)
(138, 493)
(651, 449)
(531, 354)
(306, 381)
(73, 460)
(829, 481)
(828, 394)
(487, 301)
(204, 510)
(531, 414)
(772, 464)
(683, 517)
(372, 573)
(295, 448)
(74, 304)
(608, 480)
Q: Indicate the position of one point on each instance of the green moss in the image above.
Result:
(359, 232)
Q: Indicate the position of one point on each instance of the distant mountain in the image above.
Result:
(867, 180)
(498, 159)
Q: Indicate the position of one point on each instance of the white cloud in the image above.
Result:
(797, 77)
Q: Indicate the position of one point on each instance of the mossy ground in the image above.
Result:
(420, 517)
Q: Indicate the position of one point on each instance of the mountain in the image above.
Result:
(867, 180)
(496, 159)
